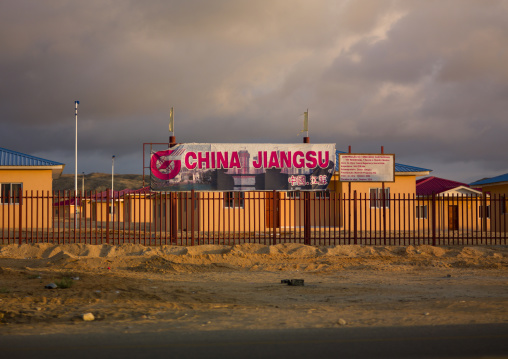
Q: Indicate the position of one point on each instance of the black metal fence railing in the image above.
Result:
(192, 218)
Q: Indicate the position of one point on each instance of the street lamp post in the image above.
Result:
(112, 186)
(83, 183)
(76, 103)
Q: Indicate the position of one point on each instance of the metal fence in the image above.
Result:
(193, 218)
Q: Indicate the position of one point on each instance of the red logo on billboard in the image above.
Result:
(163, 166)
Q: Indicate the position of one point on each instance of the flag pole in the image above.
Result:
(307, 122)
(172, 139)
(306, 139)
(305, 125)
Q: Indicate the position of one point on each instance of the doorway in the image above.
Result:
(453, 217)
(272, 210)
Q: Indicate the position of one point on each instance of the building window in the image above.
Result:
(482, 213)
(9, 192)
(421, 212)
(376, 198)
(234, 199)
(323, 194)
(503, 205)
(293, 194)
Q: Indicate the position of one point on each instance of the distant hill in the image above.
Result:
(99, 182)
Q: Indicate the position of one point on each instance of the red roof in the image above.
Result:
(118, 194)
(69, 200)
(428, 185)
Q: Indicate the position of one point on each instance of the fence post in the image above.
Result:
(20, 219)
(306, 219)
(433, 219)
(274, 217)
(174, 217)
(108, 192)
(355, 217)
(484, 214)
(384, 213)
(192, 217)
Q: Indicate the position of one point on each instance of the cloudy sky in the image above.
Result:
(428, 80)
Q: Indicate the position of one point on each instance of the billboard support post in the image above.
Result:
(193, 198)
(384, 200)
(174, 204)
(355, 218)
(306, 210)
(306, 225)
(275, 216)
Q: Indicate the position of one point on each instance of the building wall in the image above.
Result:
(257, 214)
(35, 183)
(455, 213)
(33, 180)
(100, 211)
(499, 205)
(394, 215)
(214, 215)
(138, 208)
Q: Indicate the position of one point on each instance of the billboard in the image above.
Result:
(242, 167)
(360, 167)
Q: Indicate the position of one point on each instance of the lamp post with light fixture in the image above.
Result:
(76, 103)
(112, 186)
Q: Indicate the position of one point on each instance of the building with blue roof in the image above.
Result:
(501, 180)
(10, 159)
(371, 194)
(404, 181)
(22, 174)
(496, 189)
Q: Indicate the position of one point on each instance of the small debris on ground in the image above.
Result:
(51, 286)
(88, 317)
(294, 282)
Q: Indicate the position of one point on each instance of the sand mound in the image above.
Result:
(161, 265)
(258, 257)
(208, 249)
(62, 256)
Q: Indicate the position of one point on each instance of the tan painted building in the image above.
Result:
(454, 206)
(255, 211)
(497, 189)
(30, 177)
(261, 210)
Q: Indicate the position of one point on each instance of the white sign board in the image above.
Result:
(358, 167)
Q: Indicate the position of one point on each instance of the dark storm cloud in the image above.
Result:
(426, 79)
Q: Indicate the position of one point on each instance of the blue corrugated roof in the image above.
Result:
(398, 166)
(406, 168)
(13, 158)
(497, 179)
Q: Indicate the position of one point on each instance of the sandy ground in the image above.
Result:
(131, 288)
